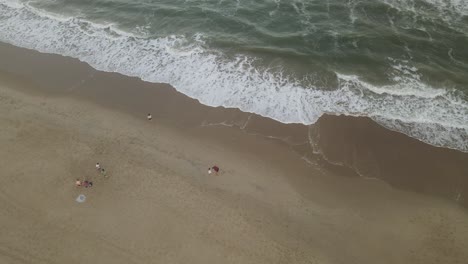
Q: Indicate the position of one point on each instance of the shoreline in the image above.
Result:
(59, 117)
(351, 146)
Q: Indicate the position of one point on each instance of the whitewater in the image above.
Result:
(435, 115)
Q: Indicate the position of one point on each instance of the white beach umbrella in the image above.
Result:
(81, 198)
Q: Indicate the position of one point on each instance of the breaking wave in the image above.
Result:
(431, 114)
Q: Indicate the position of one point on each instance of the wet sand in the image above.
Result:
(274, 202)
(359, 146)
(375, 152)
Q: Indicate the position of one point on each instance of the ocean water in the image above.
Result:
(403, 63)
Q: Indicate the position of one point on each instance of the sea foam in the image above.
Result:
(435, 116)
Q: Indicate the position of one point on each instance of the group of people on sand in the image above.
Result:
(214, 169)
(85, 183)
(102, 171)
(88, 183)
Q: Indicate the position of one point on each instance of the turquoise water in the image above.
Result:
(402, 63)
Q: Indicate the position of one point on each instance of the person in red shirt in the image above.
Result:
(216, 169)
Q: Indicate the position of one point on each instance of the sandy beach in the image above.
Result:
(271, 203)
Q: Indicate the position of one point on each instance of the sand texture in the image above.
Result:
(159, 205)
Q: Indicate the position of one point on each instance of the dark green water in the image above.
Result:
(402, 63)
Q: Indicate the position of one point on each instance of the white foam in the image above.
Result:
(352, 16)
(12, 3)
(429, 114)
(449, 11)
(456, 6)
(407, 82)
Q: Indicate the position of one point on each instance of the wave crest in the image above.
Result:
(432, 115)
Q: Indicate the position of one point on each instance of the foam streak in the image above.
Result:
(435, 116)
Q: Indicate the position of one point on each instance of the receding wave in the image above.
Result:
(436, 116)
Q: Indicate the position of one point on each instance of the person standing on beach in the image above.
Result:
(216, 169)
(149, 116)
(98, 166)
(104, 173)
(209, 171)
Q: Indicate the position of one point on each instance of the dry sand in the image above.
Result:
(159, 205)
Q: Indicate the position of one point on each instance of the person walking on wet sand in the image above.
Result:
(149, 117)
